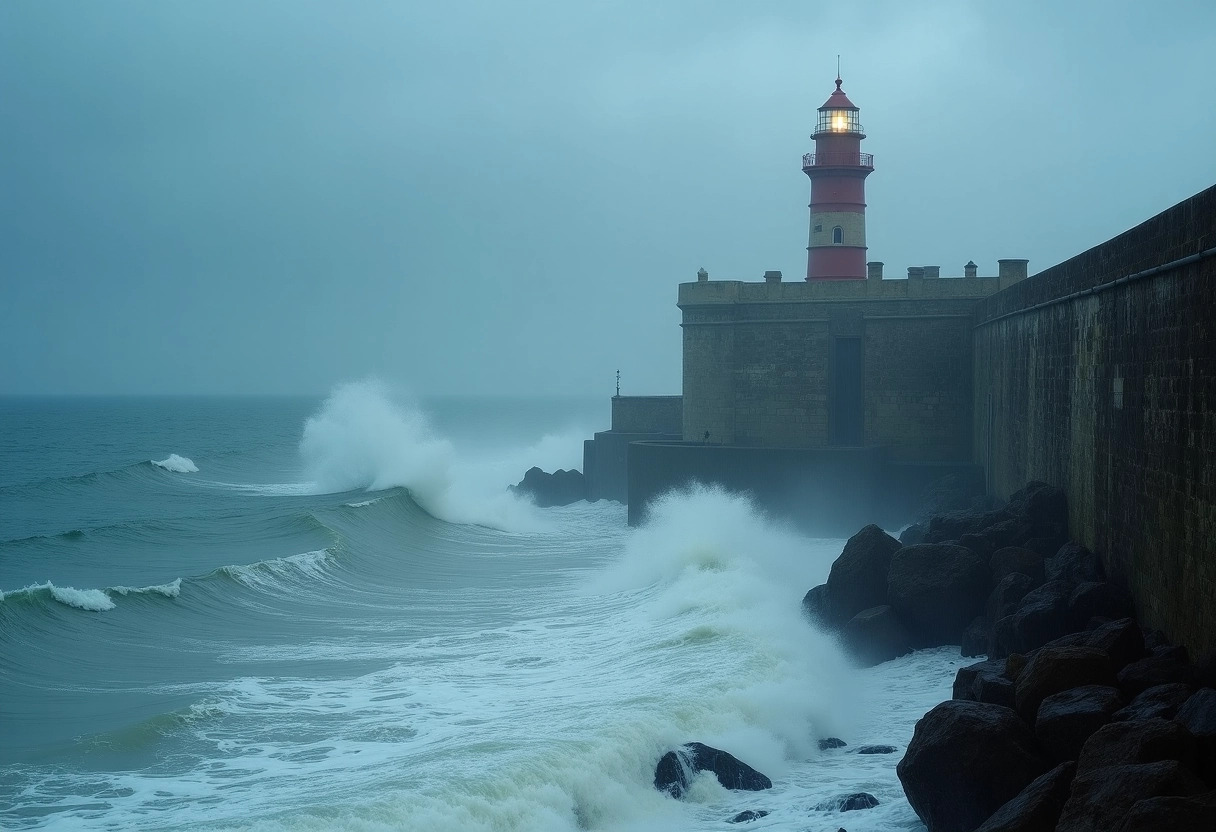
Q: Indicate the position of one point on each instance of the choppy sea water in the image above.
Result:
(292, 614)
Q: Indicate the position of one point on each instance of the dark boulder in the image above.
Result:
(952, 525)
(1055, 669)
(1122, 640)
(1042, 505)
(876, 749)
(1174, 813)
(1135, 742)
(1152, 671)
(1042, 615)
(913, 534)
(875, 635)
(1007, 595)
(1100, 798)
(1016, 560)
(1067, 719)
(848, 803)
(975, 637)
(1098, 599)
(965, 676)
(858, 579)
(965, 761)
(1075, 564)
(816, 607)
(995, 689)
(1002, 535)
(831, 742)
(936, 589)
(676, 769)
(1046, 546)
(749, 815)
(1037, 807)
(561, 488)
(1198, 716)
(1159, 702)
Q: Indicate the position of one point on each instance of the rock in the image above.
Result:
(1075, 564)
(1066, 719)
(936, 589)
(1005, 534)
(913, 534)
(1098, 599)
(994, 689)
(816, 607)
(1154, 814)
(954, 524)
(1152, 671)
(1045, 546)
(876, 749)
(1198, 716)
(1135, 742)
(858, 579)
(1159, 702)
(1042, 615)
(965, 677)
(1101, 797)
(561, 488)
(749, 815)
(676, 769)
(1007, 595)
(965, 761)
(875, 635)
(848, 803)
(831, 742)
(975, 637)
(1044, 506)
(1016, 560)
(1015, 663)
(1121, 640)
(1037, 807)
(1055, 669)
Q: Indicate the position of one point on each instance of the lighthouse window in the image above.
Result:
(837, 235)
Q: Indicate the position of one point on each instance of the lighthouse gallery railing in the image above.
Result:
(825, 160)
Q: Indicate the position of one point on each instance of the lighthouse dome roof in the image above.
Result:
(838, 100)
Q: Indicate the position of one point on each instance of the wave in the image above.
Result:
(91, 600)
(361, 439)
(176, 464)
(265, 574)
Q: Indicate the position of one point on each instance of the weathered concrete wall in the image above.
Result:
(648, 414)
(758, 362)
(1112, 395)
(605, 459)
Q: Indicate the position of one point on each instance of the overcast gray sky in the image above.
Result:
(501, 197)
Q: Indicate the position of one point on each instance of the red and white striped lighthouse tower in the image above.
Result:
(838, 171)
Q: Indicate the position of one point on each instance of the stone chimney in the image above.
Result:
(702, 275)
(916, 272)
(874, 270)
(1011, 271)
(969, 269)
(772, 277)
(933, 271)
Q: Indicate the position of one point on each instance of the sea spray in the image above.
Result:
(362, 439)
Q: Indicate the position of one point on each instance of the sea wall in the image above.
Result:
(647, 414)
(1099, 375)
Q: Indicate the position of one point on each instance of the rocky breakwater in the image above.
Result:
(561, 488)
(1078, 720)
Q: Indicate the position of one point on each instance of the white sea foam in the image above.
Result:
(169, 590)
(362, 439)
(93, 600)
(177, 464)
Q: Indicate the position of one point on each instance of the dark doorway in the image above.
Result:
(846, 396)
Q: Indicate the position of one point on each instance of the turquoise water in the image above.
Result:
(307, 614)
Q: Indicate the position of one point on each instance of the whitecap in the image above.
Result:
(94, 600)
(169, 590)
(176, 464)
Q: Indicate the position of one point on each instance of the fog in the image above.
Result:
(493, 198)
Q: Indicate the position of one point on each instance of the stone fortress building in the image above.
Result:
(837, 399)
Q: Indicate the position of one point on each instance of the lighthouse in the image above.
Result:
(838, 171)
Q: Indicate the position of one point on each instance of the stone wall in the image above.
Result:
(758, 362)
(1102, 380)
(647, 414)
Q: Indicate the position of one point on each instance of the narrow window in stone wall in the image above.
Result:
(838, 235)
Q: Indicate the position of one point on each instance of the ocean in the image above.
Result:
(307, 614)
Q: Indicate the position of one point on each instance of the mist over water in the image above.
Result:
(355, 626)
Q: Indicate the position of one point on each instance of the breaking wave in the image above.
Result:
(176, 464)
